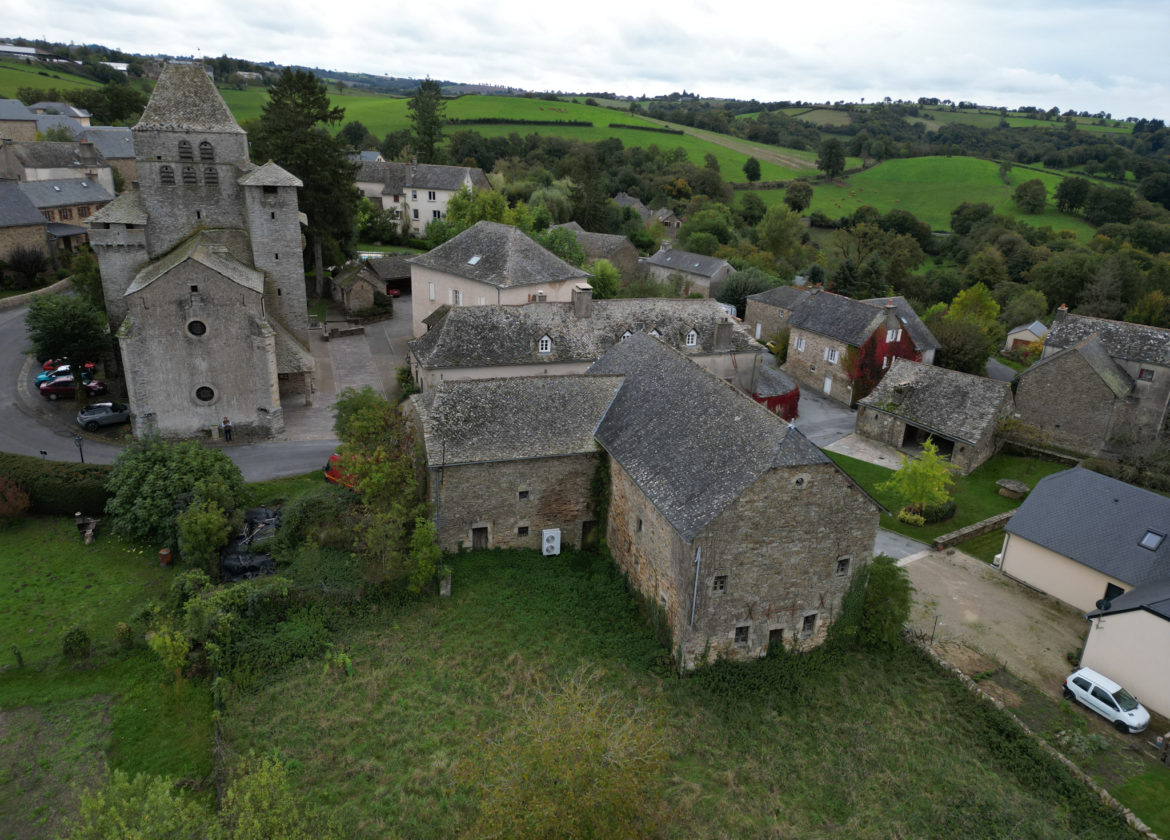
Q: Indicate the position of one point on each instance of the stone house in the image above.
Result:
(63, 109)
(489, 263)
(53, 161)
(1099, 383)
(354, 284)
(17, 122)
(699, 273)
(619, 250)
(116, 145)
(202, 270)
(767, 313)
(21, 223)
(393, 270)
(557, 338)
(842, 347)
(66, 205)
(416, 191)
(960, 412)
(725, 516)
(510, 458)
(56, 123)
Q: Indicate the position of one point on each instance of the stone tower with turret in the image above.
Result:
(201, 270)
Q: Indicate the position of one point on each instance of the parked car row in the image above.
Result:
(55, 381)
(64, 387)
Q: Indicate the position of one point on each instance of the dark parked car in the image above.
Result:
(62, 386)
(93, 417)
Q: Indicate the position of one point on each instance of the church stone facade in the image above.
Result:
(201, 270)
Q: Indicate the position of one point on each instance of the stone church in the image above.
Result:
(202, 273)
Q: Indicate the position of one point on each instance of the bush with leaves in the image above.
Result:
(888, 598)
(923, 481)
(123, 635)
(154, 480)
(204, 529)
(76, 644)
(171, 646)
(143, 807)
(261, 804)
(14, 502)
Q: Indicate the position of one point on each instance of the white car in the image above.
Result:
(1108, 699)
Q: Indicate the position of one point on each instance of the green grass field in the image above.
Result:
(16, 74)
(931, 187)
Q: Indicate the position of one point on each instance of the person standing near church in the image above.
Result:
(226, 425)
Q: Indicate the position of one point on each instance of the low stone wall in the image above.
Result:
(988, 525)
(21, 300)
(1130, 817)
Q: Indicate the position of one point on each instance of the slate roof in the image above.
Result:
(48, 121)
(60, 230)
(15, 110)
(686, 261)
(47, 154)
(390, 267)
(624, 200)
(396, 177)
(113, 142)
(356, 270)
(773, 382)
(1152, 597)
(1097, 521)
(481, 420)
(956, 405)
(691, 442)
(1097, 357)
(126, 209)
(921, 335)
(185, 99)
(270, 175)
(16, 208)
(62, 108)
(201, 249)
(597, 245)
(65, 192)
(835, 316)
(1036, 328)
(1132, 342)
(784, 297)
(478, 336)
(503, 256)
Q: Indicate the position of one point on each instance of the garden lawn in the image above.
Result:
(839, 745)
(976, 495)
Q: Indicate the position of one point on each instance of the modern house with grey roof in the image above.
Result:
(53, 161)
(618, 250)
(959, 412)
(489, 263)
(842, 347)
(1102, 546)
(21, 224)
(1025, 334)
(17, 122)
(202, 271)
(555, 339)
(694, 272)
(1099, 384)
(727, 517)
(416, 191)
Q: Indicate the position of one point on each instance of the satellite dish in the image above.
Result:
(1104, 604)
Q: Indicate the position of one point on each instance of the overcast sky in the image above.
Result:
(1070, 53)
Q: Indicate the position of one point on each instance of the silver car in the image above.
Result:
(93, 417)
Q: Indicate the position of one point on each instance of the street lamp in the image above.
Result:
(80, 441)
(44, 454)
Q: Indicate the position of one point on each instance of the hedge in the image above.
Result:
(58, 488)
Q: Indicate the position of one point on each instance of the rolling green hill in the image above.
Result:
(16, 74)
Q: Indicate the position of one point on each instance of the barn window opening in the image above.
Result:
(741, 634)
(206, 152)
(185, 152)
(166, 175)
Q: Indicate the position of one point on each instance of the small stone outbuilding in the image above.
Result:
(618, 250)
(699, 273)
(354, 285)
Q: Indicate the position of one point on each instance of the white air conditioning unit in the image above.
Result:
(997, 561)
(550, 541)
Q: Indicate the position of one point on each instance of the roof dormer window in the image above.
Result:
(544, 345)
(692, 339)
(625, 335)
(656, 333)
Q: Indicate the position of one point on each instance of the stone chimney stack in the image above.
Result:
(723, 335)
(87, 154)
(583, 300)
(665, 246)
(1061, 311)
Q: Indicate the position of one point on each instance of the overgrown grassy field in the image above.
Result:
(976, 495)
(16, 74)
(849, 745)
(931, 187)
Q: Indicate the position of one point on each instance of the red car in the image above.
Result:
(53, 364)
(334, 473)
(63, 386)
(393, 292)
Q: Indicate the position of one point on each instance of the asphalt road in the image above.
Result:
(28, 432)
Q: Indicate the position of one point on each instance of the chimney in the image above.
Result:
(723, 335)
(582, 300)
(1061, 311)
(665, 246)
(87, 153)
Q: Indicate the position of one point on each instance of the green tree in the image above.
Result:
(922, 482)
(1031, 196)
(1071, 194)
(143, 808)
(739, 285)
(975, 304)
(562, 243)
(888, 599)
(967, 215)
(294, 132)
(831, 159)
(427, 110)
(357, 135)
(153, 481)
(261, 804)
(714, 219)
(963, 344)
(86, 279)
(425, 554)
(703, 243)
(1152, 309)
(68, 328)
(606, 280)
(55, 134)
(798, 195)
(1156, 187)
(752, 209)
(779, 232)
(1025, 307)
(204, 529)
(751, 169)
(1101, 297)
(1109, 204)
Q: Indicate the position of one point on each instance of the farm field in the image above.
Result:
(930, 188)
(841, 745)
(16, 74)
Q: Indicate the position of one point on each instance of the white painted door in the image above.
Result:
(759, 327)
(828, 384)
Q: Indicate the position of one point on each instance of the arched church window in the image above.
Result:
(206, 152)
(185, 152)
(189, 176)
(210, 175)
(166, 175)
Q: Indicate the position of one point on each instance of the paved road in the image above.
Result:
(822, 420)
(998, 370)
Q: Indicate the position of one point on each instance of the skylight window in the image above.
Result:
(475, 260)
(1151, 540)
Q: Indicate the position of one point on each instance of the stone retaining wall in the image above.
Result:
(993, 523)
(21, 300)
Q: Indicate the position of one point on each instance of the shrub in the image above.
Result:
(123, 635)
(184, 587)
(888, 597)
(145, 807)
(56, 488)
(14, 501)
(938, 513)
(911, 518)
(406, 384)
(76, 644)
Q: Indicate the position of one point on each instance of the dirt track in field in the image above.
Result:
(775, 156)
